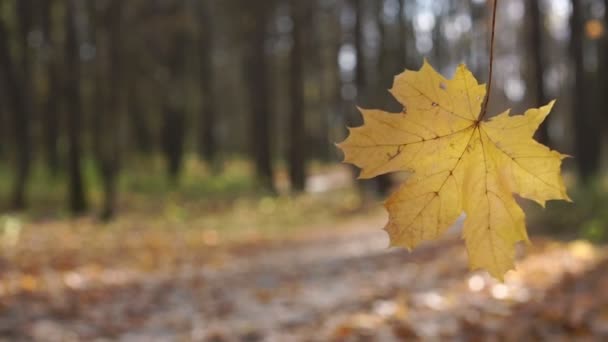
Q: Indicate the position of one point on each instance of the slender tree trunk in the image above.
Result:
(403, 35)
(174, 127)
(99, 100)
(588, 141)
(381, 184)
(258, 81)
(77, 199)
(604, 67)
(110, 124)
(51, 120)
(138, 122)
(22, 105)
(207, 130)
(3, 123)
(536, 48)
(360, 76)
(383, 68)
(174, 122)
(325, 44)
(296, 152)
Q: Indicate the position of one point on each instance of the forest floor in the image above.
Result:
(315, 267)
(322, 283)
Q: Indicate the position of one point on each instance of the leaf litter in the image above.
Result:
(335, 283)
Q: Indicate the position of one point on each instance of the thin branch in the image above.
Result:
(484, 108)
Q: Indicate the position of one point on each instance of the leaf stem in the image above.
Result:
(484, 108)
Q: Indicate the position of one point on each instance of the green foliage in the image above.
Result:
(587, 219)
(198, 181)
(143, 178)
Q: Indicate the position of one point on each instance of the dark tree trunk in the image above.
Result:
(296, 151)
(4, 122)
(22, 116)
(536, 48)
(51, 120)
(173, 142)
(403, 35)
(587, 130)
(360, 76)
(258, 83)
(107, 135)
(207, 130)
(17, 89)
(174, 120)
(99, 96)
(77, 200)
(138, 123)
(381, 184)
(604, 68)
(384, 70)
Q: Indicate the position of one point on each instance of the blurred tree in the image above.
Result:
(255, 65)
(51, 118)
(73, 106)
(383, 66)
(322, 59)
(4, 123)
(586, 122)
(381, 184)
(99, 96)
(390, 60)
(142, 85)
(14, 77)
(108, 19)
(296, 153)
(207, 122)
(174, 124)
(538, 64)
(603, 66)
(138, 121)
(316, 90)
(174, 110)
(23, 122)
(360, 75)
(403, 36)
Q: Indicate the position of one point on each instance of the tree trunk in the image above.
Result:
(296, 151)
(383, 68)
(258, 82)
(207, 129)
(381, 184)
(22, 116)
(536, 48)
(77, 200)
(51, 120)
(173, 140)
(138, 124)
(403, 34)
(4, 122)
(588, 139)
(107, 135)
(604, 68)
(174, 127)
(360, 77)
(16, 94)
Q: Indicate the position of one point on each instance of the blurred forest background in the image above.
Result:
(140, 135)
(105, 97)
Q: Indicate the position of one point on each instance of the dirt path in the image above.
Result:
(342, 285)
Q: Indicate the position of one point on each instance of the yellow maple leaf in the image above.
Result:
(458, 163)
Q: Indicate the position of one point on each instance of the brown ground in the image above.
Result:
(336, 283)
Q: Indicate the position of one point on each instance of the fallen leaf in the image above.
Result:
(458, 163)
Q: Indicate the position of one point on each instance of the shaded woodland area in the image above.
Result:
(115, 83)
